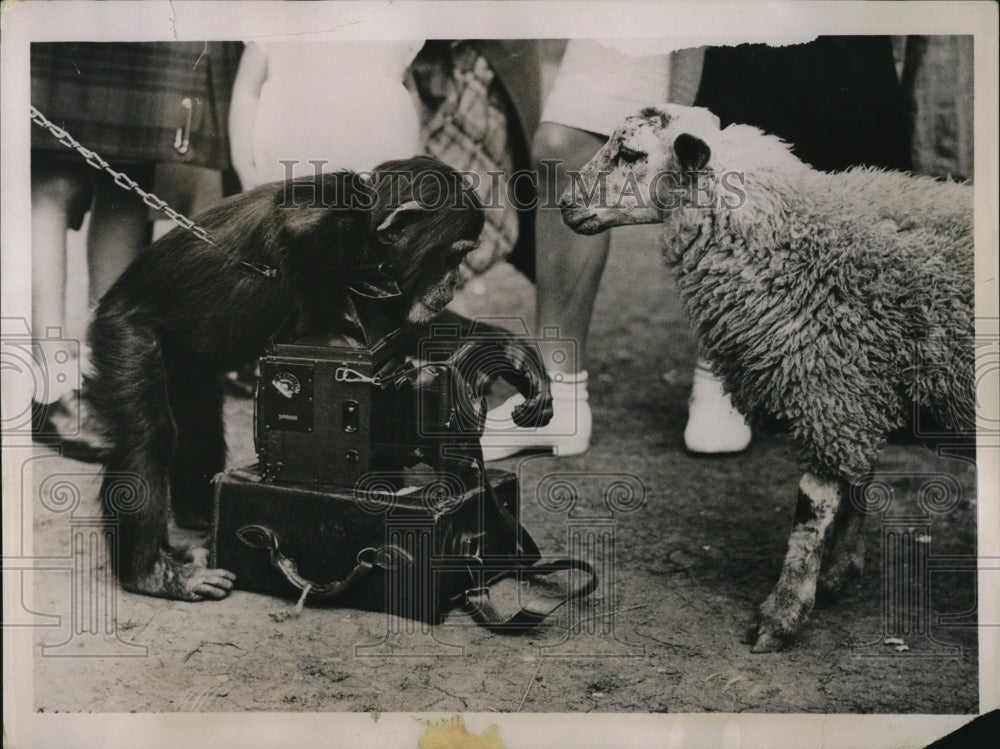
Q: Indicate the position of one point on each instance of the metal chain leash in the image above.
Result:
(121, 179)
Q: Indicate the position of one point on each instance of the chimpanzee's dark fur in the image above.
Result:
(187, 310)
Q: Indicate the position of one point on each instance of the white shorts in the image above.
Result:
(596, 87)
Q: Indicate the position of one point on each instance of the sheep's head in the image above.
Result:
(643, 171)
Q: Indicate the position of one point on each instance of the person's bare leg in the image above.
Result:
(119, 229)
(53, 193)
(56, 192)
(569, 268)
(59, 193)
(569, 265)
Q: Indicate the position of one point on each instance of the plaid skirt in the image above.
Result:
(470, 122)
(137, 101)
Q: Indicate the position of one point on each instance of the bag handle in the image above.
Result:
(389, 556)
(479, 606)
(526, 561)
(527, 548)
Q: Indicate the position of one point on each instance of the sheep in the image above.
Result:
(835, 303)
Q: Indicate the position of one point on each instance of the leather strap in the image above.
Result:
(481, 609)
(527, 549)
(259, 536)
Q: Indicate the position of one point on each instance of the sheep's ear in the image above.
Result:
(692, 153)
(391, 228)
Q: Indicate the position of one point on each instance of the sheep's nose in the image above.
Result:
(565, 201)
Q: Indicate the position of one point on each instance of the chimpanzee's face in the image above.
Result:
(439, 280)
(426, 219)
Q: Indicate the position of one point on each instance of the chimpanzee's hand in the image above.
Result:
(481, 360)
(532, 382)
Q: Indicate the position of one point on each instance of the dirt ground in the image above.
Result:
(661, 634)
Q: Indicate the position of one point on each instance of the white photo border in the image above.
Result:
(691, 24)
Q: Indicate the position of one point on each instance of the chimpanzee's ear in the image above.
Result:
(692, 153)
(391, 228)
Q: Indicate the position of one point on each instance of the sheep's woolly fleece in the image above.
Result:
(831, 302)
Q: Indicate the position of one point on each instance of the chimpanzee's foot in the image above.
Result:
(189, 579)
(198, 555)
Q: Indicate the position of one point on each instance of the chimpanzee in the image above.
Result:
(284, 259)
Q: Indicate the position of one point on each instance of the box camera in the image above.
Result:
(330, 410)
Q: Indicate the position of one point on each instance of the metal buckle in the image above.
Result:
(346, 374)
(386, 557)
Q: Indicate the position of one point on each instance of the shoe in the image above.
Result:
(67, 424)
(714, 425)
(568, 433)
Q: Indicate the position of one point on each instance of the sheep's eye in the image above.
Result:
(628, 156)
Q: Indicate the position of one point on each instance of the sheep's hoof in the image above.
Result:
(763, 639)
(768, 643)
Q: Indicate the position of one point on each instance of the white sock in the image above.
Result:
(49, 386)
(572, 386)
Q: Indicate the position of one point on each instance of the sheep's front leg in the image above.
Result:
(783, 612)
